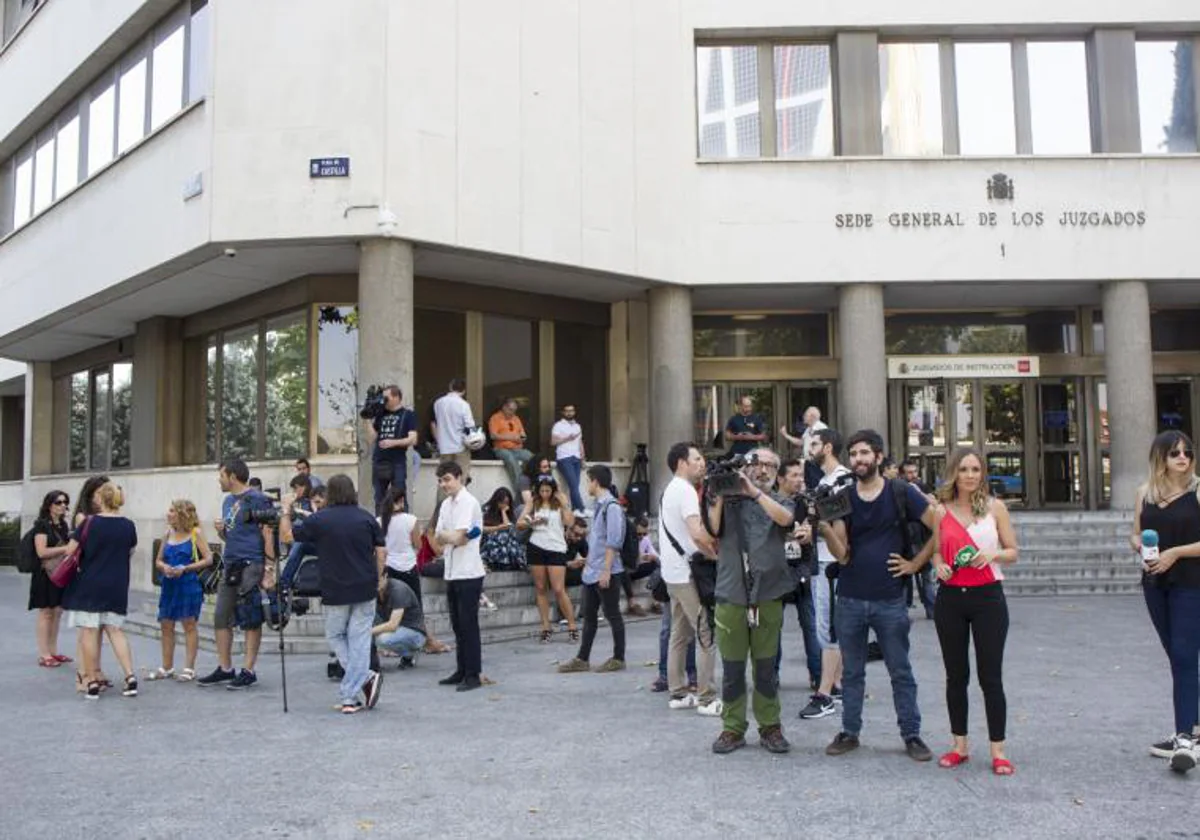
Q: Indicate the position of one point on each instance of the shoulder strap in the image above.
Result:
(900, 493)
(663, 521)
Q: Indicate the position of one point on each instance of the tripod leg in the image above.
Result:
(279, 596)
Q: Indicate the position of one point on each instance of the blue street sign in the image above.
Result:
(332, 167)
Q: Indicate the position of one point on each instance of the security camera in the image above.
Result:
(231, 252)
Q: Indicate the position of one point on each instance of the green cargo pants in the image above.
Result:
(736, 641)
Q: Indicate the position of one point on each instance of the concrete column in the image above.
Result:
(670, 360)
(1116, 125)
(860, 130)
(627, 379)
(385, 330)
(39, 420)
(862, 360)
(158, 385)
(1129, 375)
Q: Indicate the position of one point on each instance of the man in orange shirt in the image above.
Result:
(508, 440)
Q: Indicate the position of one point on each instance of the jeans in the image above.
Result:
(738, 641)
(462, 598)
(922, 581)
(1175, 613)
(296, 553)
(889, 619)
(348, 631)
(963, 613)
(595, 598)
(404, 641)
(823, 590)
(807, 616)
(514, 461)
(398, 478)
(664, 639)
(572, 469)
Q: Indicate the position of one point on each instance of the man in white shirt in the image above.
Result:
(681, 536)
(457, 536)
(452, 419)
(567, 439)
(812, 425)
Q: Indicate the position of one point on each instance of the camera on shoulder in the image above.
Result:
(827, 502)
(724, 475)
(374, 404)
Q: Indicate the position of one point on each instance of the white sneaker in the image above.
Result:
(687, 701)
(1183, 758)
(711, 709)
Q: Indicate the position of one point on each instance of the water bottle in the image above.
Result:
(1149, 546)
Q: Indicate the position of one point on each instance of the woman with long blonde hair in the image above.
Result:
(1169, 504)
(182, 553)
(974, 538)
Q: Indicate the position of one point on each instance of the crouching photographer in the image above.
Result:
(752, 522)
(350, 558)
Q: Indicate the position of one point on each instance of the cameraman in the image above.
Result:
(390, 433)
(249, 545)
(870, 598)
(752, 578)
(350, 558)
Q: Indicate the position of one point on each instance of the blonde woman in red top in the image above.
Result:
(974, 539)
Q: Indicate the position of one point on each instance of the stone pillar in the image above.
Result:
(1113, 89)
(39, 421)
(1129, 375)
(156, 438)
(627, 379)
(670, 358)
(385, 331)
(862, 360)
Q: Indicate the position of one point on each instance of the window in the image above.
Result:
(287, 387)
(727, 91)
(1166, 96)
(748, 335)
(581, 379)
(803, 101)
(910, 95)
(101, 129)
(440, 354)
(337, 379)
(23, 202)
(239, 394)
(100, 424)
(43, 174)
(166, 89)
(131, 97)
(1058, 97)
(66, 172)
(510, 370)
(1174, 330)
(198, 53)
(983, 73)
(982, 333)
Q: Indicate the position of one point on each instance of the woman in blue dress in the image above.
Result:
(182, 553)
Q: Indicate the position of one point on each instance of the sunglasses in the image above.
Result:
(61, 502)
(1186, 453)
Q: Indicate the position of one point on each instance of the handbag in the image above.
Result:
(210, 576)
(66, 571)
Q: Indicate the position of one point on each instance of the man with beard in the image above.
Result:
(869, 596)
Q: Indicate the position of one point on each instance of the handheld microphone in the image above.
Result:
(1149, 546)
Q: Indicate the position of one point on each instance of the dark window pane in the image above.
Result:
(122, 413)
(510, 371)
(581, 379)
(99, 404)
(936, 334)
(78, 424)
(210, 406)
(440, 355)
(760, 335)
(1174, 330)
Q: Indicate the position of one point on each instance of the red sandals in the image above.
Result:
(953, 759)
(1002, 767)
(48, 662)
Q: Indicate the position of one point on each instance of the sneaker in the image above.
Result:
(687, 701)
(771, 738)
(574, 666)
(917, 750)
(659, 686)
(819, 706)
(727, 742)
(712, 708)
(469, 684)
(562, 622)
(636, 610)
(1164, 748)
(406, 662)
(454, 679)
(1183, 758)
(351, 708)
(611, 665)
(371, 688)
(836, 694)
(220, 675)
(841, 744)
(244, 679)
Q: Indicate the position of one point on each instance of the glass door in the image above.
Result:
(800, 397)
(924, 421)
(1173, 399)
(1062, 476)
(1003, 438)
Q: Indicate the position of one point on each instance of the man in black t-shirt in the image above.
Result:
(399, 622)
(392, 433)
(745, 431)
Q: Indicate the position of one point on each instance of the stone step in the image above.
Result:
(1023, 589)
(1090, 533)
(1073, 571)
(1049, 556)
(1043, 542)
(1070, 516)
(141, 624)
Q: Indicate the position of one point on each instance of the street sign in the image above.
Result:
(330, 167)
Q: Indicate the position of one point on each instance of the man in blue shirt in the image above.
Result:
(391, 434)
(248, 545)
(870, 591)
(745, 431)
(602, 575)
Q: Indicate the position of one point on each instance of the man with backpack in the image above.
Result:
(870, 597)
(602, 575)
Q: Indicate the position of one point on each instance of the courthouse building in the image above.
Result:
(956, 223)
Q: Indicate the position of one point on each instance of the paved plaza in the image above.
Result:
(589, 755)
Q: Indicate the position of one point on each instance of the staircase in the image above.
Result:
(1073, 553)
(515, 616)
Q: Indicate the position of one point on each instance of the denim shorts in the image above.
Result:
(94, 620)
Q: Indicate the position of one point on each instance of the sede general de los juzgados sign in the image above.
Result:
(999, 188)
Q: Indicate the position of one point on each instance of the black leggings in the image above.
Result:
(610, 599)
(980, 612)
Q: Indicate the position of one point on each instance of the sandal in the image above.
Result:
(953, 759)
(160, 674)
(1002, 767)
(573, 634)
(545, 635)
(186, 675)
(130, 689)
(93, 691)
(58, 657)
(48, 662)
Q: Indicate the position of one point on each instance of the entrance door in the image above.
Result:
(1062, 479)
(1174, 402)
(801, 395)
(1003, 438)
(924, 420)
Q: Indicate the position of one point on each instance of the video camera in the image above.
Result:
(724, 475)
(827, 502)
(374, 404)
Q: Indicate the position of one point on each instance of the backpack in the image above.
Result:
(629, 543)
(27, 557)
